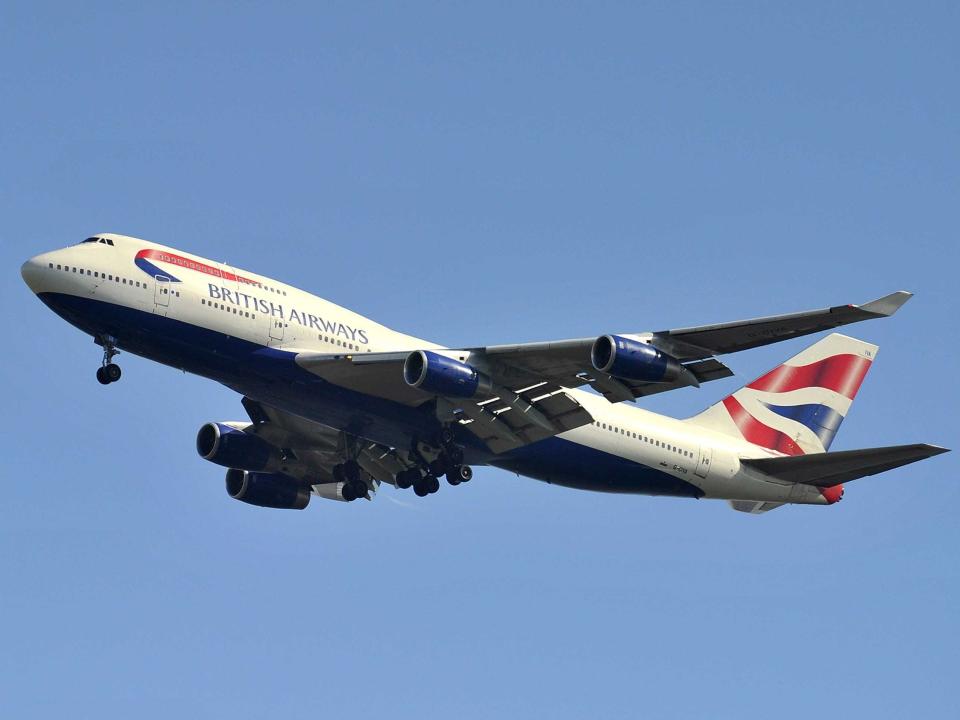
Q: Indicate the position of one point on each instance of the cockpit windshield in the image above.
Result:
(104, 241)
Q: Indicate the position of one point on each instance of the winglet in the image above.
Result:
(888, 304)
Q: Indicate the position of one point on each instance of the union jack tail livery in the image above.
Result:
(796, 408)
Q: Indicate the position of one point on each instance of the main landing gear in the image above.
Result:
(108, 372)
(351, 475)
(425, 480)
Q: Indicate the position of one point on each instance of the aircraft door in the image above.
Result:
(161, 295)
(703, 466)
(276, 330)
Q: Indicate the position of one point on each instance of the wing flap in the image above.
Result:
(828, 469)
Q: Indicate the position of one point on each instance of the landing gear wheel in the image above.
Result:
(432, 484)
(102, 376)
(348, 494)
(405, 478)
(465, 473)
(453, 478)
(420, 488)
(439, 466)
(112, 372)
(359, 489)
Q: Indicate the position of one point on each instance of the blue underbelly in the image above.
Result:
(273, 377)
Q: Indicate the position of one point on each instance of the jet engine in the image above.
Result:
(631, 359)
(439, 374)
(272, 490)
(227, 445)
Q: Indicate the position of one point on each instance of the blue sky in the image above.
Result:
(481, 174)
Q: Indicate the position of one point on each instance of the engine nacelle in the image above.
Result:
(439, 374)
(271, 490)
(634, 360)
(233, 448)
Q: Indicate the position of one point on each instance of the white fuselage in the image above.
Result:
(241, 304)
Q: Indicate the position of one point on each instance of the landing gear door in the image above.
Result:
(703, 466)
(161, 295)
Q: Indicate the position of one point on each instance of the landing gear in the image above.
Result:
(459, 474)
(406, 478)
(108, 372)
(425, 478)
(426, 485)
(351, 475)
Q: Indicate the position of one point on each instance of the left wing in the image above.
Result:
(313, 450)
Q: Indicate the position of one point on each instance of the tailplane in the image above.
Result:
(797, 407)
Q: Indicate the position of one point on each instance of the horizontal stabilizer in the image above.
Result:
(828, 469)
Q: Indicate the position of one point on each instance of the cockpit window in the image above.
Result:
(104, 241)
(90, 240)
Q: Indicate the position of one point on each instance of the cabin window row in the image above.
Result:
(340, 343)
(99, 275)
(644, 438)
(228, 308)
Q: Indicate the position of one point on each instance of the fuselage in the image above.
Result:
(245, 330)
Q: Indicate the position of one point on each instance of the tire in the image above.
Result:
(420, 488)
(465, 473)
(338, 474)
(348, 493)
(404, 480)
(359, 489)
(439, 466)
(446, 436)
(453, 478)
(102, 376)
(432, 484)
(112, 372)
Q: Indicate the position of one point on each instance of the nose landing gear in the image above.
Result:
(108, 372)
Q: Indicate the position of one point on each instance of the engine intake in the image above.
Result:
(441, 375)
(225, 445)
(271, 490)
(634, 360)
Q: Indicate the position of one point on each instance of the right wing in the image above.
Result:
(517, 392)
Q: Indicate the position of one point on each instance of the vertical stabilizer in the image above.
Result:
(797, 407)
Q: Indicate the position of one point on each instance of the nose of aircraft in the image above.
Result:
(30, 271)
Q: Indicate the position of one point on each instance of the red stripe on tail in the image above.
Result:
(756, 432)
(840, 373)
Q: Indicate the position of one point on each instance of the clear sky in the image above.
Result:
(481, 174)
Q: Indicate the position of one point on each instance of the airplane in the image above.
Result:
(339, 404)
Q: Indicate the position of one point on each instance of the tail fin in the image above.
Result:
(796, 408)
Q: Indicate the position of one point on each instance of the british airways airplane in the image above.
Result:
(339, 404)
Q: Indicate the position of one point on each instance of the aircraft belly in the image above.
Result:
(564, 462)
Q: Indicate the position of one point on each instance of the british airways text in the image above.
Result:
(268, 307)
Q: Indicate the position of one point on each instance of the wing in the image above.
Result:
(511, 395)
(312, 450)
